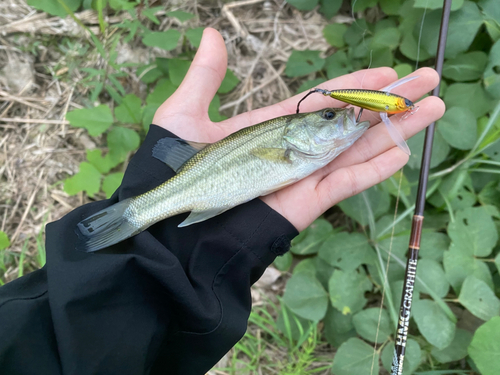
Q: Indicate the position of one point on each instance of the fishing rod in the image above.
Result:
(418, 217)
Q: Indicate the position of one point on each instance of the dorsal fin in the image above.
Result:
(175, 151)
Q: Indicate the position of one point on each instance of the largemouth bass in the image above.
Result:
(211, 179)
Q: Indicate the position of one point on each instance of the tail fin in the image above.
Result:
(105, 228)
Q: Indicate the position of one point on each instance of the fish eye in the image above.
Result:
(408, 103)
(328, 114)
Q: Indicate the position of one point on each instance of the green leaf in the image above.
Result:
(150, 13)
(497, 262)
(458, 127)
(334, 34)
(166, 40)
(148, 115)
(111, 183)
(440, 150)
(337, 65)
(194, 36)
(408, 48)
(437, 4)
(492, 73)
(433, 245)
(433, 323)
(310, 239)
(490, 195)
(228, 83)
(162, 91)
(457, 350)
(355, 207)
(369, 327)
(338, 327)
(479, 299)
(121, 141)
(303, 4)
(87, 179)
(356, 32)
(307, 85)
(355, 357)
(301, 63)
(485, 347)
(403, 70)
(307, 266)
(213, 110)
(96, 120)
(413, 357)
(53, 7)
(432, 275)
(347, 290)
(285, 315)
(390, 7)
(305, 296)
(121, 4)
(346, 251)
(177, 69)
(361, 5)
(180, 15)
(102, 164)
(283, 262)
(130, 110)
(4, 240)
(463, 27)
(149, 73)
(474, 230)
(468, 95)
(457, 188)
(491, 17)
(391, 185)
(386, 38)
(466, 67)
(329, 8)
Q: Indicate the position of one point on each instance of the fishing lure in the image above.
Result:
(379, 101)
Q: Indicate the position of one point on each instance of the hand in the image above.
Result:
(372, 159)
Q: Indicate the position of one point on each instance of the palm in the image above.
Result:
(372, 159)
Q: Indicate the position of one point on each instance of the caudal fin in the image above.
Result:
(105, 228)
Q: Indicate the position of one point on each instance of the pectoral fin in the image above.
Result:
(198, 216)
(278, 155)
(175, 151)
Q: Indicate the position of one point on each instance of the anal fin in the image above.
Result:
(199, 216)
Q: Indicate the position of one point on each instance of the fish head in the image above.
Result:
(316, 134)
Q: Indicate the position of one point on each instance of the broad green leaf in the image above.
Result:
(456, 350)
(303, 4)
(433, 323)
(433, 245)
(307, 266)
(466, 67)
(54, 7)
(492, 73)
(130, 110)
(361, 5)
(355, 357)
(111, 183)
(347, 290)
(468, 95)
(463, 27)
(213, 110)
(338, 327)
(490, 195)
(356, 206)
(122, 4)
(382, 57)
(228, 83)
(4, 240)
(323, 271)
(497, 262)
(391, 185)
(437, 4)
(491, 17)
(403, 70)
(408, 48)
(162, 91)
(373, 325)
(356, 32)
(166, 40)
(177, 69)
(474, 231)
(87, 179)
(485, 347)
(479, 299)
(413, 356)
(457, 189)
(386, 38)
(301, 63)
(305, 296)
(390, 7)
(194, 36)
(148, 115)
(96, 120)
(310, 84)
(440, 150)
(458, 127)
(346, 251)
(180, 15)
(431, 274)
(149, 73)
(310, 240)
(121, 141)
(329, 8)
(283, 262)
(337, 65)
(102, 164)
(288, 323)
(334, 34)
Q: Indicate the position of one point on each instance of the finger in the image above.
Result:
(346, 182)
(202, 79)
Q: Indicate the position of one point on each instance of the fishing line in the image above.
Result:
(420, 34)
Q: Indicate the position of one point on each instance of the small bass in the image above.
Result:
(213, 178)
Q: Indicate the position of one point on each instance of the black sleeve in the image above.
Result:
(167, 301)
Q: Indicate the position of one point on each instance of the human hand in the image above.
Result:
(372, 159)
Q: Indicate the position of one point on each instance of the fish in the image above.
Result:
(213, 178)
(382, 101)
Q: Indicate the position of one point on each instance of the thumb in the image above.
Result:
(204, 76)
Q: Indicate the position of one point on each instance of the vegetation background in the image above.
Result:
(81, 79)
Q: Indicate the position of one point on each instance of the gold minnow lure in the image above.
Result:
(379, 101)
